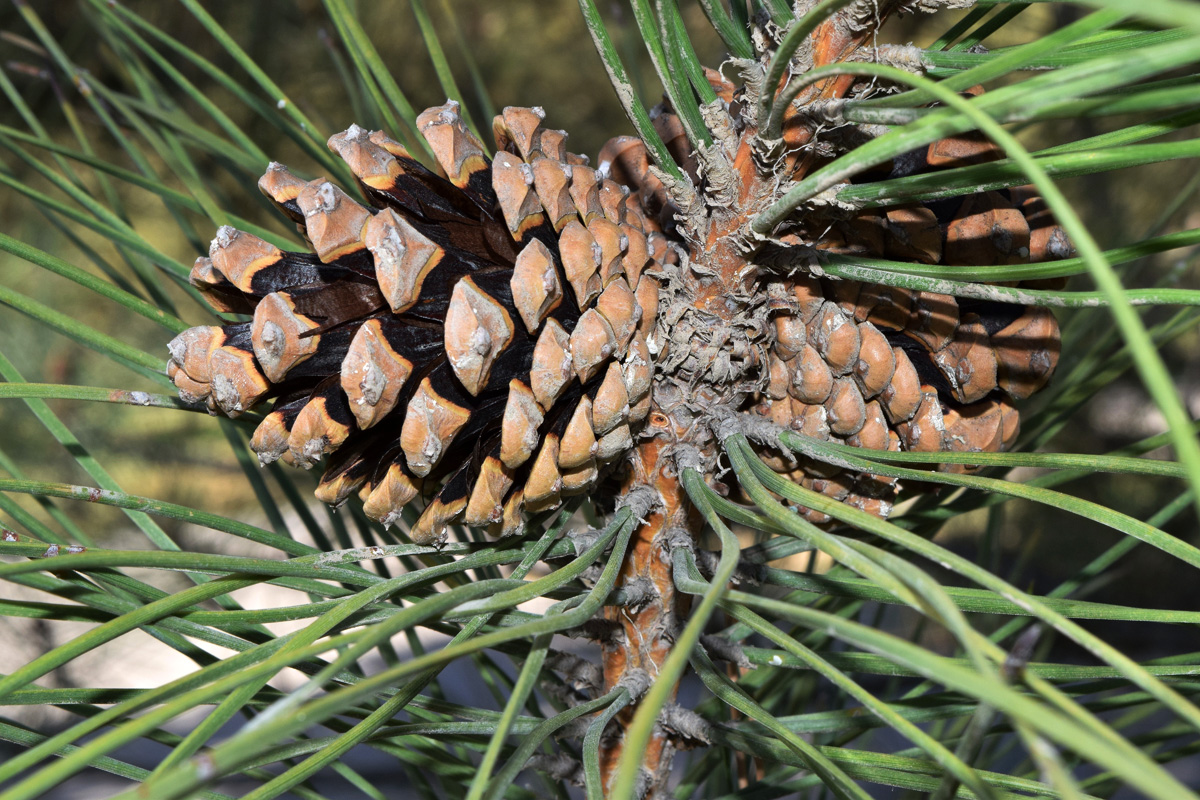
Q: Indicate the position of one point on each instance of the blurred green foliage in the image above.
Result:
(529, 53)
(525, 54)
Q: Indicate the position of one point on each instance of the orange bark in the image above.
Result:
(649, 631)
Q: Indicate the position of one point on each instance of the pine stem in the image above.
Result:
(648, 630)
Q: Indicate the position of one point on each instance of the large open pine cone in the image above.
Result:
(489, 340)
(490, 331)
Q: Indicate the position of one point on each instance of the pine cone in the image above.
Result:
(484, 339)
(881, 367)
(442, 323)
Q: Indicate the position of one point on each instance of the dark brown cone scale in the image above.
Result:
(477, 339)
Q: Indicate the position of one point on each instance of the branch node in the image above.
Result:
(636, 681)
(723, 649)
(686, 726)
(725, 422)
(636, 594)
(582, 539)
(579, 673)
(688, 456)
(559, 766)
(674, 538)
(641, 499)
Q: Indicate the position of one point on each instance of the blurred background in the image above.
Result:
(526, 52)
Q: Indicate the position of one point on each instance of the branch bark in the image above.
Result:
(649, 629)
